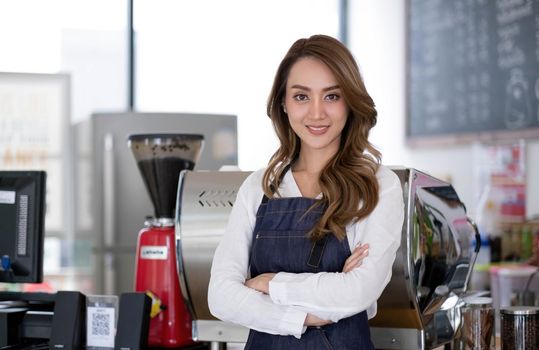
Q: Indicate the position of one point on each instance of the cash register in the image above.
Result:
(22, 211)
(31, 320)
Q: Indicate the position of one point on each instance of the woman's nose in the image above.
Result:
(317, 111)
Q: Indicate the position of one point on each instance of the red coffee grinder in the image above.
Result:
(160, 158)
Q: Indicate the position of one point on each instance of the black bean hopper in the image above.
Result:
(420, 307)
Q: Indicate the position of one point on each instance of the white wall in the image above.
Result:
(377, 40)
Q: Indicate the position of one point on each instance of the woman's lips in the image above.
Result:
(317, 130)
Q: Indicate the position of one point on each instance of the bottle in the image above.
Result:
(526, 243)
(488, 222)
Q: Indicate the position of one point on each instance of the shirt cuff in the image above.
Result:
(277, 287)
(293, 322)
(372, 310)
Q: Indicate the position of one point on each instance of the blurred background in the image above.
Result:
(62, 61)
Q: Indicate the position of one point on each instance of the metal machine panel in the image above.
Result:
(218, 331)
(397, 338)
(432, 264)
(203, 206)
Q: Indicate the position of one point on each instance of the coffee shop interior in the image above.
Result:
(89, 89)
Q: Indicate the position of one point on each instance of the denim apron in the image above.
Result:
(280, 244)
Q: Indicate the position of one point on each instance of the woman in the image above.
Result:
(285, 267)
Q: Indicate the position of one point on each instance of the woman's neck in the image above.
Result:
(312, 162)
(306, 171)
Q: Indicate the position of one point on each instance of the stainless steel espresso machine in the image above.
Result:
(419, 309)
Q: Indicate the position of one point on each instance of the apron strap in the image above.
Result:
(285, 170)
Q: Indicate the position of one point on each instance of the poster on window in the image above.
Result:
(502, 181)
(34, 124)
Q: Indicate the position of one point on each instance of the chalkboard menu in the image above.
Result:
(473, 68)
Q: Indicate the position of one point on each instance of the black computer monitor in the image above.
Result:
(22, 226)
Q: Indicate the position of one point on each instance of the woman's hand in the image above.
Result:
(360, 252)
(313, 321)
(260, 282)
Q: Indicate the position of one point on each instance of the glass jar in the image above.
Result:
(520, 328)
(477, 324)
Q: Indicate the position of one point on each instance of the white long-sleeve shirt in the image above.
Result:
(328, 295)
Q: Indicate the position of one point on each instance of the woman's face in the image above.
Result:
(315, 106)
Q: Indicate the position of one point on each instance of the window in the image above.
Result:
(220, 57)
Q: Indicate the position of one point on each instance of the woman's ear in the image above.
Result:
(284, 108)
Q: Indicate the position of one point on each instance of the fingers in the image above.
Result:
(356, 258)
(360, 249)
(352, 264)
(312, 320)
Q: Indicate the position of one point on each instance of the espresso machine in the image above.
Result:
(160, 159)
(420, 307)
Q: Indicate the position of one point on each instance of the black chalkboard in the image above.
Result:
(473, 68)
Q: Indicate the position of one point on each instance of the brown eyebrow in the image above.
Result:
(301, 87)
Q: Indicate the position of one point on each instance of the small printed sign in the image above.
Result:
(101, 327)
(153, 252)
(7, 197)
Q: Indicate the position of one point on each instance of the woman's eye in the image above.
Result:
(301, 97)
(333, 97)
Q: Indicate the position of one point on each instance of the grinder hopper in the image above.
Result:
(160, 158)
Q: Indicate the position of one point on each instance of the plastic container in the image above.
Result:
(514, 280)
(505, 280)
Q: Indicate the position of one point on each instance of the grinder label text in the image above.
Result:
(154, 252)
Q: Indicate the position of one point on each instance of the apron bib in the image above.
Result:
(280, 244)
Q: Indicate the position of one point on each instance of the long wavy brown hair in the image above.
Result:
(348, 181)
